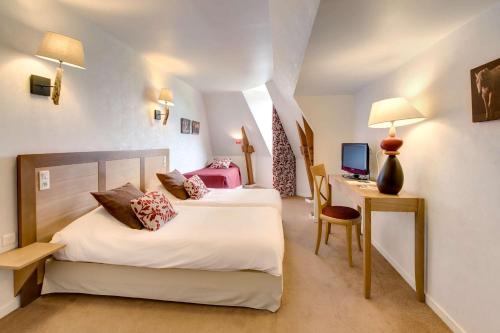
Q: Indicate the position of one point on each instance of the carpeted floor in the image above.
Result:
(322, 294)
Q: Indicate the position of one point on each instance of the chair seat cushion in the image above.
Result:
(340, 212)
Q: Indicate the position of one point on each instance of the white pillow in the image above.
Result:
(221, 163)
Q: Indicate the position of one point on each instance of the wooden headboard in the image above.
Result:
(41, 213)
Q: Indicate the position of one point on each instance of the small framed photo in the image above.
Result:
(195, 127)
(485, 86)
(185, 126)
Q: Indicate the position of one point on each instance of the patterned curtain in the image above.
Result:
(283, 160)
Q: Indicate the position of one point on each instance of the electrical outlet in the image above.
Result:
(44, 179)
(8, 239)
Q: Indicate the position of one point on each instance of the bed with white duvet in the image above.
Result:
(229, 256)
(239, 197)
(201, 238)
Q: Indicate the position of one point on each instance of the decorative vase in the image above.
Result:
(390, 179)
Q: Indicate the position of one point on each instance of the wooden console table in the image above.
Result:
(369, 200)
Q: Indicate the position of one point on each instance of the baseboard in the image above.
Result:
(406, 276)
(448, 320)
(9, 307)
(452, 324)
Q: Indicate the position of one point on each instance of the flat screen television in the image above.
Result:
(356, 158)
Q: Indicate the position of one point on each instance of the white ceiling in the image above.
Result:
(213, 45)
(354, 42)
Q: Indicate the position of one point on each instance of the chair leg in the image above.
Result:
(318, 240)
(349, 242)
(358, 235)
(327, 234)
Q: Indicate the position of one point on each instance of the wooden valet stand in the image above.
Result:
(248, 150)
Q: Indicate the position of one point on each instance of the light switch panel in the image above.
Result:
(44, 180)
(8, 239)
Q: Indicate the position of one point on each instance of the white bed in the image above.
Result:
(230, 197)
(209, 255)
(204, 238)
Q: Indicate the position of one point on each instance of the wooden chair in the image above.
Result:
(342, 215)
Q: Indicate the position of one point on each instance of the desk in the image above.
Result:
(369, 200)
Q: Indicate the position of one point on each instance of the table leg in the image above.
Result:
(420, 250)
(367, 253)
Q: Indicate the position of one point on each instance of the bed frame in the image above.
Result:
(41, 213)
(72, 177)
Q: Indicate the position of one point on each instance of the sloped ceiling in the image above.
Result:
(213, 45)
(291, 22)
(354, 42)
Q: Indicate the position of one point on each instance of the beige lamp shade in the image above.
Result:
(166, 97)
(60, 48)
(393, 112)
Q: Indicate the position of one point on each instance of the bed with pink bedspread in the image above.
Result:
(218, 178)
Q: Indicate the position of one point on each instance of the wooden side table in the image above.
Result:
(23, 261)
(369, 199)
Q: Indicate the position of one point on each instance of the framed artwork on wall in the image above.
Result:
(185, 126)
(485, 88)
(195, 127)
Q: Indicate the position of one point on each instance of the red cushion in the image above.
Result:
(340, 212)
(153, 210)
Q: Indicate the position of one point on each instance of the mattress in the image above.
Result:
(218, 178)
(230, 197)
(251, 289)
(201, 238)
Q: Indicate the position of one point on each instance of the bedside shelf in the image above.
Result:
(23, 257)
(24, 261)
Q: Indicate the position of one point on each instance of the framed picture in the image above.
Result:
(185, 126)
(485, 86)
(195, 127)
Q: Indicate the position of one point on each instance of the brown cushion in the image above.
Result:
(340, 212)
(174, 183)
(117, 203)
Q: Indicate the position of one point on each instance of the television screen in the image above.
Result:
(355, 158)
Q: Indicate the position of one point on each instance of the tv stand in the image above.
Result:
(356, 177)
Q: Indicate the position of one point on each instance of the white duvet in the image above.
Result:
(202, 238)
(230, 197)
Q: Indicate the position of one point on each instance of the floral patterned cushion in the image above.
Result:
(153, 210)
(221, 163)
(195, 187)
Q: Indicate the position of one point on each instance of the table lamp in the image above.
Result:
(63, 50)
(391, 113)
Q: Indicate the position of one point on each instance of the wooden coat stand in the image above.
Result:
(306, 136)
(247, 149)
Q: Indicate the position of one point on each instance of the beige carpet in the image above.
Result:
(322, 294)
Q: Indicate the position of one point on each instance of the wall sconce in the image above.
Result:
(61, 49)
(166, 98)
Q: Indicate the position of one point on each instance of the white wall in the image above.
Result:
(109, 106)
(227, 112)
(291, 25)
(332, 119)
(454, 164)
(260, 105)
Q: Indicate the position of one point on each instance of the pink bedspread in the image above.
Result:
(218, 178)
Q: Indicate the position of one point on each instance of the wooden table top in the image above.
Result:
(368, 190)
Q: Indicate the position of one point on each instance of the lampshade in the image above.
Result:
(166, 97)
(393, 111)
(60, 48)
